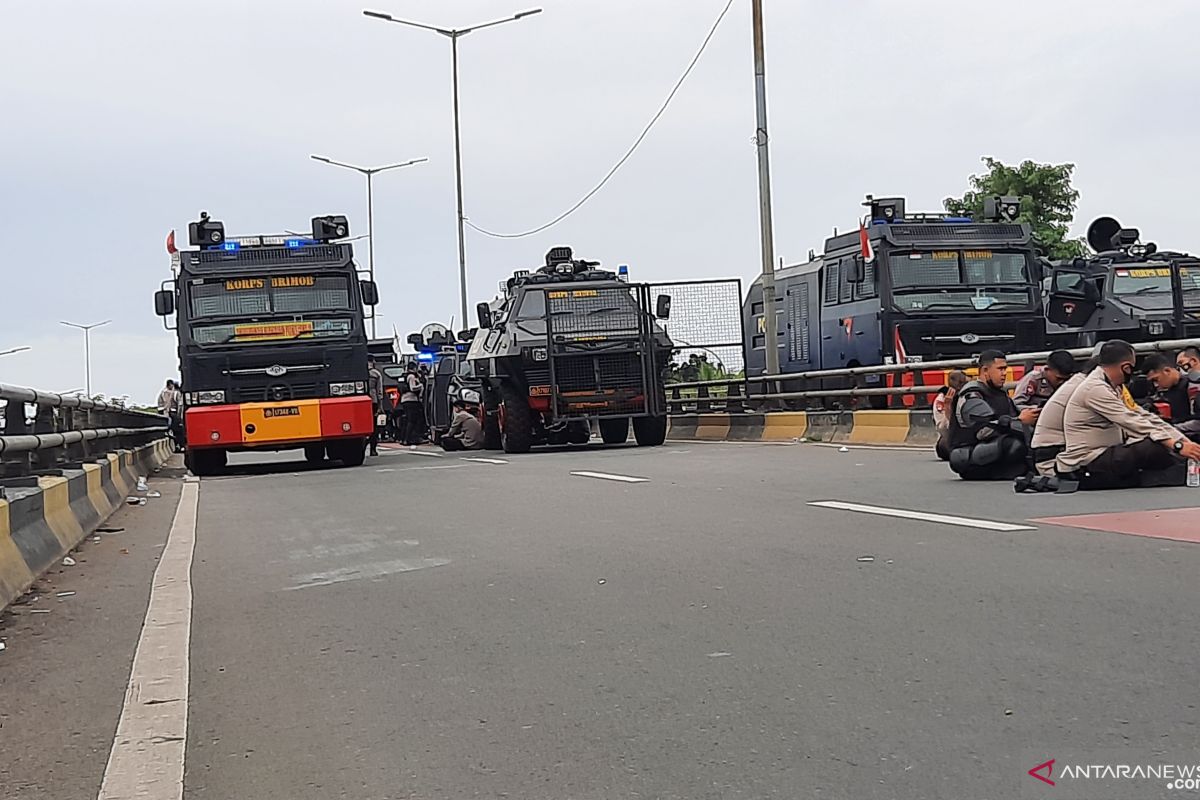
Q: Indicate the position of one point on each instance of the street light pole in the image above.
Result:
(462, 239)
(453, 34)
(370, 172)
(770, 320)
(87, 350)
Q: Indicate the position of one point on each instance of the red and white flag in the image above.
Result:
(171, 243)
(868, 254)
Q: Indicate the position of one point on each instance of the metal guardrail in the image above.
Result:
(738, 390)
(66, 430)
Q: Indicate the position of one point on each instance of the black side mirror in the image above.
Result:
(416, 340)
(854, 270)
(484, 312)
(370, 292)
(164, 302)
(662, 306)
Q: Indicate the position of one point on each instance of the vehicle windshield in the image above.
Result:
(1154, 280)
(250, 308)
(578, 310)
(978, 280)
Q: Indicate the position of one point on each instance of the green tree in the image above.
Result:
(1047, 200)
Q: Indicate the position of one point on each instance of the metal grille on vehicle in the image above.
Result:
(954, 233)
(267, 256)
(273, 392)
(583, 311)
(618, 376)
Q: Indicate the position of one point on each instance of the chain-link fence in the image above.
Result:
(706, 327)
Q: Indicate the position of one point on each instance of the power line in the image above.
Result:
(628, 153)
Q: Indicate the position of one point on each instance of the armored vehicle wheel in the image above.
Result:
(516, 422)
(650, 431)
(491, 431)
(579, 432)
(205, 462)
(314, 453)
(614, 431)
(351, 452)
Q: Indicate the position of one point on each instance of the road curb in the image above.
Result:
(39, 525)
(850, 427)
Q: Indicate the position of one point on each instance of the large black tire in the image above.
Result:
(314, 453)
(516, 435)
(614, 431)
(351, 452)
(205, 462)
(650, 431)
(491, 431)
(579, 432)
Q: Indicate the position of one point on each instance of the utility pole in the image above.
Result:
(770, 320)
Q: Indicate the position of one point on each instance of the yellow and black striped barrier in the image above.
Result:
(40, 524)
(909, 427)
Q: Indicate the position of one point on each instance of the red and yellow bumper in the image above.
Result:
(249, 425)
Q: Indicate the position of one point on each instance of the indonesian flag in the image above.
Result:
(865, 241)
(171, 248)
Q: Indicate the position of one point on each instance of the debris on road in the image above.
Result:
(843, 449)
(153, 494)
(602, 581)
(135, 501)
(39, 611)
(68, 562)
(866, 559)
(1008, 712)
(96, 539)
(721, 654)
(64, 594)
(109, 530)
(2, 647)
(124, 551)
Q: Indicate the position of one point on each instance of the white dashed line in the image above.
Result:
(486, 460)
(429, 453)
(146, 760)
(604, 476)
(922, 516)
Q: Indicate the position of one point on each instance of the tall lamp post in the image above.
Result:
(370, 172)
(87, 350)
(453, 34)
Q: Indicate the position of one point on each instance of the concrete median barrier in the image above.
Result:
(907, 427)
(41, 523)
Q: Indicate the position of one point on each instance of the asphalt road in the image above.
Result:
(430, 626)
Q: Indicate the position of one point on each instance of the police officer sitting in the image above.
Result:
(1178, 392)
(1039, 385)
(988, 435)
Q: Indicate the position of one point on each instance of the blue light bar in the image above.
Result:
(294, 243)
(425, 356)
(957, 220)
(230, 246)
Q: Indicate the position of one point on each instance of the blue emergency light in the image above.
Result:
(294, 243)
(230, 246)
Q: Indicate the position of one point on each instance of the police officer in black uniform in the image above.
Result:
(989, 437)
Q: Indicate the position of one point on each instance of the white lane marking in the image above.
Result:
(965, 522)
(378, 569)
(604, 476)
(429, 453)
(146, 760)
(487, 460)
(891, 448)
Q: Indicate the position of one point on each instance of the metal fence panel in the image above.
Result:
(705, 325)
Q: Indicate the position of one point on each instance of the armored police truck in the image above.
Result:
(1128, 290)
(567, 344)
(272, 344)
(906, 287)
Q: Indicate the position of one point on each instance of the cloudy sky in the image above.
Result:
(120, 120)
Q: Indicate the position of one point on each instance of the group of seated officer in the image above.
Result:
(1078, 430)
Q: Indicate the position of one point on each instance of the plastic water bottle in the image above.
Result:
(1193, 473)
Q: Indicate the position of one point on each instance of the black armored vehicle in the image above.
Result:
(1127, 290)
(566, 345)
